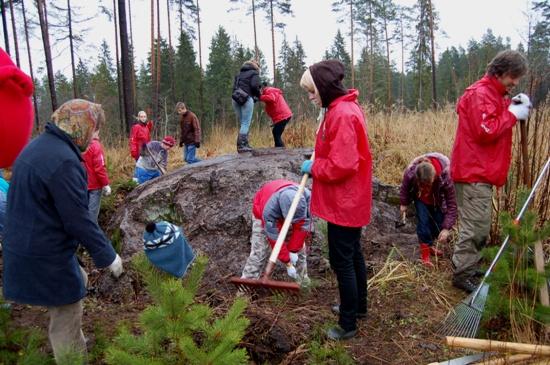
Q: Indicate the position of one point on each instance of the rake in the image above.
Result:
(266, 285)
(463, 320)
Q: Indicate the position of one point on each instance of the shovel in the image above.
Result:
(402, 221)
(265, 284)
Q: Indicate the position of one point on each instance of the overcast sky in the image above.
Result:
(313, 24)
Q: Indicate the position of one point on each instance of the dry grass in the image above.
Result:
(395, 140)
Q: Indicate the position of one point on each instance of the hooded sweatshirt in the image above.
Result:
(342, 171)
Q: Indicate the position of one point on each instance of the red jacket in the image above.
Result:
(299, 232)
(342, 172)
(94, 163)
(482, 150)
(140, 134)
(275, 104)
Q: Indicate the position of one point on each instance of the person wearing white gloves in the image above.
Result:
(269, 210)
(48, 218)
(98, 180)
(481, 156)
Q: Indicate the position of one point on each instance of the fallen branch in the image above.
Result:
(488, 345)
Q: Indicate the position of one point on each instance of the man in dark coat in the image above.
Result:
(48, 218)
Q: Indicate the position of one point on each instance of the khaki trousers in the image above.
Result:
(474, 211)
(65, 329)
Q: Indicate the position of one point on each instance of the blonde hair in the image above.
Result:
(253, 63)
(180, 104)
(424, 172)
(307, 83)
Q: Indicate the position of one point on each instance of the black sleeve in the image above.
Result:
(255, 85)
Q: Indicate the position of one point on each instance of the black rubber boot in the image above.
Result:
(242, 144)
(336, 310)
(466, 284)
(338, 334)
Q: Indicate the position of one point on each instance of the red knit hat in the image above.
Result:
(169, 141)
(16, 114)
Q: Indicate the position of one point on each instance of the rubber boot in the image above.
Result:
(435, 251)
(425, 255)
(242, 144)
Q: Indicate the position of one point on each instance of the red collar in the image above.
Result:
(496, 84)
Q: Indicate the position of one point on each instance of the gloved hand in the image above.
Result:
(293, 258)
(116, 267)
(520, 106)
(291, 271)
(306, 167)
(107, 190)
(181, 143)
(198, 145)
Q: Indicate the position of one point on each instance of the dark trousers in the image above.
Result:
(428, 222)
(346, 259)
(278, 129)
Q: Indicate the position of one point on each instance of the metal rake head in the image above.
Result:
(464, 319)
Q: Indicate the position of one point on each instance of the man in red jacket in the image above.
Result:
(98, 180)
(277, 109)
(481, 156)
(341, 192)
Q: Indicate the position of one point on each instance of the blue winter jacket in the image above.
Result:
(47, 218)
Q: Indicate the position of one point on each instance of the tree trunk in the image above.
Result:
(158, 69)
(371, 58)
(118, 81)
(170, 55)
(15, 43)
(126, 65)
(388, 66)
(153, 59)
(273, 41)
(71, 45)
(181, 15)
(43, 17)
(133, 69)
(402, 88)
(201, 100)
(256, 51)
(5, 27)
(36, 119)
(351, 44)
(431, 23)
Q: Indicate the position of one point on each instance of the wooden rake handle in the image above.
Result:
(286, 224)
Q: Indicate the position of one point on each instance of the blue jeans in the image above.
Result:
(429, 219)
(146, 175)
(3, 203)
(189, 151)
(244, 114)
(94, 203)
(346, 259)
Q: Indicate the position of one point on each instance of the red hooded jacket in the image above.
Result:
(275, 104)
(140, 134)
(342, 172)
(295, 242)
(482, 150)
(94, 163)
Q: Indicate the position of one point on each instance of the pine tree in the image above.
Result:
(188, 74)
(219, 78)
(83, 79)
(338, 51)
(175, 330)
(514, 283)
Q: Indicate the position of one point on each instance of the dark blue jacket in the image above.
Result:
(47, 218)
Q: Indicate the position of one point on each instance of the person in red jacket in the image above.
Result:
(481, 156)
(16, 120)
(277, 109)
(341, 190)
(140, 134)
(269, 209)
(98, 180)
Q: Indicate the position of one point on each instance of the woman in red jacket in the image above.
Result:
(277, 109)
(341, 190)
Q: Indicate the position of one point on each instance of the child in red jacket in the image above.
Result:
(140, 134)
(277, 109)
(98, 180)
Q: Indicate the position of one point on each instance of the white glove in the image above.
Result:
(291, 271)
(293, 258)
(522, 99)
(106, 190)
(520, 106)
(116, 267)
